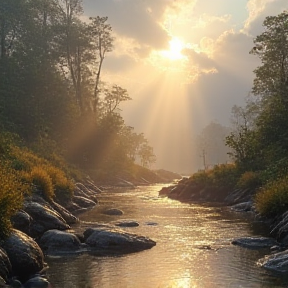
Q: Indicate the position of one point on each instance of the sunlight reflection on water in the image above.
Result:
(193, 248)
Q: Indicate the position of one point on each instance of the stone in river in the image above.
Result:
(255, 242)
(277, 262)
(113, 211)
(127, 223)
(117, 241)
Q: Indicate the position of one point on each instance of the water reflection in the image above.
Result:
(193, 248)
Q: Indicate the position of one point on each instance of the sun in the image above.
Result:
(175, 49)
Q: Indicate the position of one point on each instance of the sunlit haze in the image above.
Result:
(184, 64)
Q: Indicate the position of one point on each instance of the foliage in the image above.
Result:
(42, 182)
(63, 187)
(223, 175)
(12, 191)
(272, 199)
(249, 180)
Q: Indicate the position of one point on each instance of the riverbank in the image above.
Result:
(239, 200)
(43, 228)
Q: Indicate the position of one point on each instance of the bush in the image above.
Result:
(219, 176)
(42, 181)
(249, 180)
(63, 187)
(272, 199)
(11, 197)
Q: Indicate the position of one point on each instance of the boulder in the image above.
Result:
(113, 211)
(277, 262)
(79, 192)
(67, 216)
(37, 282)
(243, 207)
(116, 241)
(25, 255)
(22, 221)
(127, 223)
(84, 202)
(44, 218)
(255, 242)
(5, 265)
(56, 242)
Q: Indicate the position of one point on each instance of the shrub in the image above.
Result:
(219, 176)
(272, 199)
(42, 181)
(63, 187)
(11, 197)
(249, 180)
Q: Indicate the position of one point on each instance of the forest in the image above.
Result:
(58, 119)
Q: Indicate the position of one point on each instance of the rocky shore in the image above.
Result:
(241, 201)
(46, 228)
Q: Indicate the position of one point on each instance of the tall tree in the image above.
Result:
(272, 48)
(102, 39)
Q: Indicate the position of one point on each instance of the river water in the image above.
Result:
(193, 247)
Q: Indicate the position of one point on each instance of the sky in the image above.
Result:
(184, 63)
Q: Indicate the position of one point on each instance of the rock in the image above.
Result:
(44, 218)
(81, 193)
(67, 216)
(5, 265)
(255, 242)
(277, 262)
(113, 211)
(116, 241)
(56, 242)
(2, 282)
(83, 202)
(243, 207)
(151, 223)
(37, 282)
(25, 255)
(127, 223)
(22, 221)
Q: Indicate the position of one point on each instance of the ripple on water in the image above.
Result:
(193, 248)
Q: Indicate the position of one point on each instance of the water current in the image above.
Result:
(193, 247)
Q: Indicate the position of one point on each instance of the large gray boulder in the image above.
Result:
(255, 242)
(44, 219)
(57, 242)
(22, 221)
(277, 262)
(5, 265)
(116, 241)
(25, 255)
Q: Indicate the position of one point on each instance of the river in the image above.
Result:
(193, 247)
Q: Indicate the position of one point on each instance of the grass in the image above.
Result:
(272, 199)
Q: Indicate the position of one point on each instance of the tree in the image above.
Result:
(113, 97)
(272, 48)
(102, 40)
(147, 156)
(271, 85)
(211, 144)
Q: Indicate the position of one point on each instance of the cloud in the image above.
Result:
(259, 10)
(136, 19)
